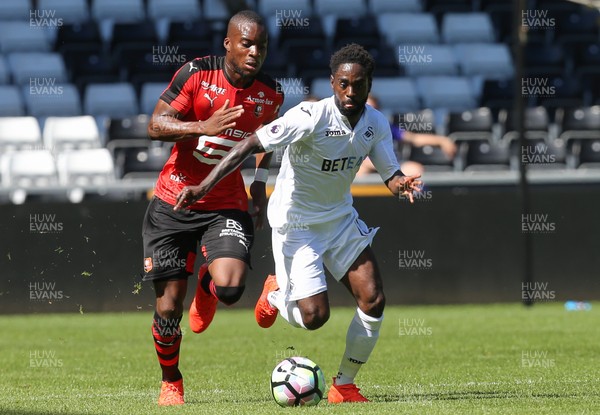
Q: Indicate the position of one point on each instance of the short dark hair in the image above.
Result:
(352, 53)
(247, 16)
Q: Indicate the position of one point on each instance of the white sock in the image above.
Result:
(360, 341)
(287, 309)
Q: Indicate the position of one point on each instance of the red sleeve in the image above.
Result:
(180, 92)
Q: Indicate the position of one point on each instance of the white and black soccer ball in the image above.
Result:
(297, 381)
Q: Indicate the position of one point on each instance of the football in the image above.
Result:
(297, 381)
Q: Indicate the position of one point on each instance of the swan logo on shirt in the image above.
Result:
(368, 135)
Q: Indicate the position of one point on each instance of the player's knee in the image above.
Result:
(170, 309)
(374, 305)
(229, 295)
(315, 318)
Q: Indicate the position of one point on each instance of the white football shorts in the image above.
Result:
(300, 251)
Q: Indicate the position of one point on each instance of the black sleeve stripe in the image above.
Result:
(183, 74)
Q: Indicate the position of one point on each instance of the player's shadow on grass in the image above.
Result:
(460, 395)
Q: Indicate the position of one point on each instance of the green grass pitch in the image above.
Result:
(473, 359)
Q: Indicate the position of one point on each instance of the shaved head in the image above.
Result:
(243, 18)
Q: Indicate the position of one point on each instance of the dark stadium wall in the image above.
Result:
(458, 245)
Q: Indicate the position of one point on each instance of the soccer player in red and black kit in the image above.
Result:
(211, 104)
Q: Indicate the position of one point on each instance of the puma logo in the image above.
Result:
(211, 100)
(192, 67)
(306, 111)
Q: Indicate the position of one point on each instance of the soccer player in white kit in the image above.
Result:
(314, 224)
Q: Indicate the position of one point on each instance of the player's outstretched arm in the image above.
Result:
(399, 184)
(258, 191)
(229, 163)
(166, 124)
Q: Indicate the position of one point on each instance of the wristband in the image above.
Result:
(261, 175)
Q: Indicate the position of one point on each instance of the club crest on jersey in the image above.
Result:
(258, 110)
(148, 264)
(368, 135)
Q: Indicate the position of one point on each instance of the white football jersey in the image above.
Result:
(322, 157)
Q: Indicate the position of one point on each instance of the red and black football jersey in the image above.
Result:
(196, 91)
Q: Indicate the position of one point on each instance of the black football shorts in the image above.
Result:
(170, 238)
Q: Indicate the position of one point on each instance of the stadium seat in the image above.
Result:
(138, 33)
(497, 94)
(70, 133)
(452, 93)
(128, 128)
(112, 100)
(340, 8)
(21, 37)
(501, 15)
(15, 9)
(377, 7)
(150, 94)
(309, 60)
(174, 10)
(586, 58)
(432, 158)
(299, 35)
(476, 124)
(86, 32)
(421, 60)
(490, 61)
(396, 94)
(25, 66)
(4, 71)
(70, 11)
(189, 31)
(128, 132)
(361, 30)
(588, 154)
(93, 167)
(118, 10)
(579, 123)
(408, 28)
(11, 101)
(29, 168)
(215, 10)
(579, 24)
(483, 155)
(536, 123)
(140, 162)
(19, 133)
(538, 154)
(565, 92)
(467, 28)
(543, 59)
(57, 100)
